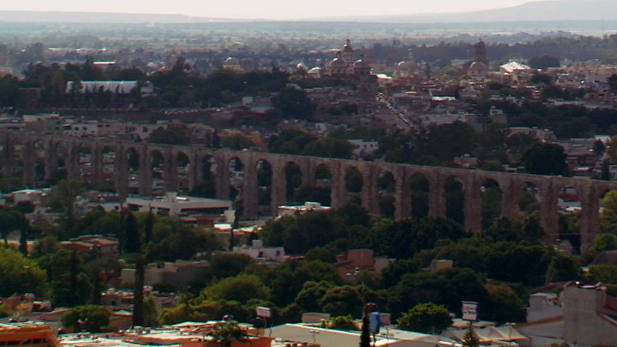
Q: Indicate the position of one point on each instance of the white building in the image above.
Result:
(176, 206)
(262, 253)
(308, 206)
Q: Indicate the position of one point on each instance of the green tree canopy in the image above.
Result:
(20, 274)
(544, 158)
(294, 103)
(241, 288)
(425, 318)
(91, 318)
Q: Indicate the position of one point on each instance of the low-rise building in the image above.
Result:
(178, 273)
(262, 253)
(177, 206)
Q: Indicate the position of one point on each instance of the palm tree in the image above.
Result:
(224, 334)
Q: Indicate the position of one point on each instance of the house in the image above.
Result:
(582, 314)
(27, 333)
(262, 253)
(92, 246)
(178, 273)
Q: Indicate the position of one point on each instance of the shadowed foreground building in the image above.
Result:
(581, 314)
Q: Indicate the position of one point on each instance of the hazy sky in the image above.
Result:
(266, 9)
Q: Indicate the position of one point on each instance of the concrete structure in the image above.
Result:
(262, 253)
(92, 246)
(19, 145)
(308, 206)
(173, 205)
(178, 273)
(309, 335)
(32, 334)
(581, 314)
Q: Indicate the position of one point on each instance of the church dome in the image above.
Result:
(231, 61)
(347, 47)
(477, 66)
(338, 62)
(361, 64)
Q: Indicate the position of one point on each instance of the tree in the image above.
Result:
(10, 220)
(173, 135)
(503, 305)
(340, 300)
(224, 334)
(365, 336)
(241, 288)
(20, 274)
(237, 142)
(426, 318)
(91, 318)
(132, 236)
(605, 273)
(294, 103)
(562, 268)
(543, 62)
(229, 264)
(603, 242)
(329, 148)
(65, 194)
(308, 297)
(608, 214)
(545, 159)
(69, 283)
(138, 305)
(447, 141)
(471, 339)
(342, 323)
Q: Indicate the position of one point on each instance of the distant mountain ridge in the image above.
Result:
(104, 17)
(537, 11)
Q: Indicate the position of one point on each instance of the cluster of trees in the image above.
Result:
(508, 251)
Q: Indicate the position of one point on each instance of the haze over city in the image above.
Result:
(266, 9)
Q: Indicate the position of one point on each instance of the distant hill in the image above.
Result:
(540, 11)
(102, 17)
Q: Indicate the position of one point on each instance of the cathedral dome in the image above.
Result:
(338, 62)
(361, 64)
(347, 47)
(231, 61)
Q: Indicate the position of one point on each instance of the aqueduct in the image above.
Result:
(139, 159)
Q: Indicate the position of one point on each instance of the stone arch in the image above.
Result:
(264, 187)
(353, 180)
(85, 161)
(454, 198)
(529, 197)
(419, 191)
(208, 173)
(108, 157)
(134, 171)
(158, 171)
(386, 190)
(321, 191)
(236, 178)
(17, 157)
(293, 180)
(491, 195)
(39, 158)
(570, 208)
(182, 167)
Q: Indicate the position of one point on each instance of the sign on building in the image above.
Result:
(263, 312)
(470, 310)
